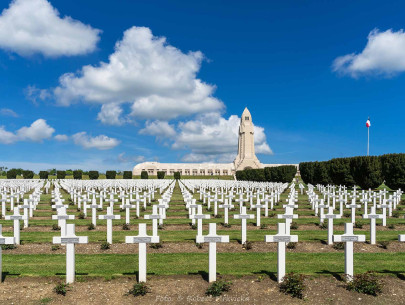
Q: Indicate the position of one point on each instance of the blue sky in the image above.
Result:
(107, 84)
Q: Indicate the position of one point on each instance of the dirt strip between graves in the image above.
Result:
(190, 289)
(190, 247)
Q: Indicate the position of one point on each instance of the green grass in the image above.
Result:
(189, 263)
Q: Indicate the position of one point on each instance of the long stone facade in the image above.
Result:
(246, 158)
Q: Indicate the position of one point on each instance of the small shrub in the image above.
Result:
(226, 225)
(199, 245)
(291, 246)
(193, 226)
(358, 225)
(294, 226)
(323, 226)
(99, 209)
(338, 246)
(248, 245)
(347, 214)
(260, 278)
(293, 284)
(399, 208)
(217, 216)
(395, 214)
(271, 215)
(55, 227)
(55, 247)
(161, 227)
(139, 289)
(91, 227)
(61, 289)
(209, 209)
(366, 283)
(217, 288)
(8, 247)
(391, 226)
(81, 216)
(143, 209)
(263, 226)
(383, 244)
(126, 227)
(156, 246)
(105, 245)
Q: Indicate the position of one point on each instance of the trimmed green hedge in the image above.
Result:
(144, 175)
(161, 175)
(93, 175)
(77, 174)
(43, 175)
(12, 174)
(61, 174)
(127, 175)
(177, 175)
(28, 174)
(284, 173)
(110, 174)
(364, 171)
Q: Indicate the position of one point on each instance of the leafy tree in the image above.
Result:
(93, 175)
(366, 171)
(61, 174)
(393, 170)
(110, 174)
(127, 175)
(12, 174)
(144, 175)
(77, 174)
(161, 174)
(43, 175)
(177, 175)
(27, 174)
(339, 170)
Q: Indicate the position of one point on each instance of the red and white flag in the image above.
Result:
(368, 124)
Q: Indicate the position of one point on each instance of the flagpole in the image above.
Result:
(368, 140)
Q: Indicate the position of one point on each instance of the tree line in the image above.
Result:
(364, 171)
(283, 173)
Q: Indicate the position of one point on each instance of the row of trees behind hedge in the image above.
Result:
(365, 172)
(284, 174)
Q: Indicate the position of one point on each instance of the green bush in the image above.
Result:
(126, 227)
(307, 172)
(105, 245)
(81, 216)
(144, 175)
(293, 284)
(93, 175)
(77, 174)
(28, 174)
(338, 246)
(339, 170)
(217, 288)
(91, 227)
(8, 247)
(156, 245)
(61, 174)
(55, 247)
(61, 289)
(127, 175)
(43, 175)
(294, 225)
(12, 174)
(366, 283)
(55, 227)
(110, 174)
(366, 171)
(393, 170)
(248, 245)
(321, 173)
(291, 245)
(177, 175)
(139, 289)
(161, 174)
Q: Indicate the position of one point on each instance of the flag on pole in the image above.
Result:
(368, 124)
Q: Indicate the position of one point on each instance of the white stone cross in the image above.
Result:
(70, 239)
(243, 216)
(111, 200)
(349, 238)
(62, 217)
(3, 204)
(94, 206)
(215, 200)
(4, 241)
(26, 207)
(226, 208)
(373, 216)
(288, 216)
(127, 206)
(109, 217)
(330, 216)
(16, 217)
(384, 206)
(281, 238)
(142, 239)
(353, 206)
(258, 206)
(212, 238)
(321, 208)
(200, 216)
(154, 216)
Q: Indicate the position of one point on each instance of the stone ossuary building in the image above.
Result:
(246, 158)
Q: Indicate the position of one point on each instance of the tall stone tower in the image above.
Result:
(246, 157)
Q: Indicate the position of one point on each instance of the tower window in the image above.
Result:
(246, 118)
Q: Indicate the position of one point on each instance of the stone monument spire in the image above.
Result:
(246, 157)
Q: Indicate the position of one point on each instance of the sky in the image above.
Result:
(101, 85)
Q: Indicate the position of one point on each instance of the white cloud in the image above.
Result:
(36, 132)
(157, 78)
(34, 94)
(110, 114)
(160, 129)
(8, 112)
(122, 158)
(61, 137)
(34, 26)
(384, 54)
(213, 138)
(101, 142)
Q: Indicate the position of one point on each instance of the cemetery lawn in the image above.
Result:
(107, 265)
